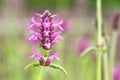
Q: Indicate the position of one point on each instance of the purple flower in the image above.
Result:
(45, 31)
(116, 73)
(82, 44)
(43, 60)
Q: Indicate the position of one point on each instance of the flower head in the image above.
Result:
(42, 60)
(45, 31)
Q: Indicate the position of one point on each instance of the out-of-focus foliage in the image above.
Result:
(40, 4)
(15, 16)
(105, 3)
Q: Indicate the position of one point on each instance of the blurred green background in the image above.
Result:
(15, 49)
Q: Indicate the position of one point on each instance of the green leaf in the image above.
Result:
(32, 65)
(58, 67)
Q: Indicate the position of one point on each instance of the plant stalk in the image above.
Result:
(99, 62)
(106, 69)
(113, 51)
(40, 77)
(99, 38)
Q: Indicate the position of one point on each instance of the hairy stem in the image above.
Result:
(99, 61)
(46, 53)
(99, 21)
(112, 51)
(106, 69)
(99, 38)
(40, 77)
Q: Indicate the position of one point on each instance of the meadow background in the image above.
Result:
(80, 21)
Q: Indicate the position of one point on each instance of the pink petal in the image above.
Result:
(61, 22)
(37, 14)
(57, 58)
(35, 55)
(54, 16)
(34, 21)
(38, 25)
(47, 45)
(46, 25)
(33, 38)
(57, 39)
(57, 25)
(46, 13)
(54, 56)
(60, 38)
(60, 29)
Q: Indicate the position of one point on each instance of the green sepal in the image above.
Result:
(58, 67)
(31, 65)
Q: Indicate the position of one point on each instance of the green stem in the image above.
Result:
(99, 21)
(46, 53)
(40, 77)
(112, 51)
(99, 37)
(99, 66)
(106, 69)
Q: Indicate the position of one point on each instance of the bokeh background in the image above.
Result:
(79, 21)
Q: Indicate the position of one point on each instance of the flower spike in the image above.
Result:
(46, 33)
(46, 29)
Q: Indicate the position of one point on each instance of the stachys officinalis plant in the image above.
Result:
(46, 34)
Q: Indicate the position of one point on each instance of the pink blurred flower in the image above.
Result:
(82, 44)
(116, 73)
(67, 25)
(44, 31)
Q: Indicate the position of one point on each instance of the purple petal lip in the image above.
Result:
(49, 59)
(39, 15)
(35, 55)
(54, 56)
(54, 16)
(46, 13)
